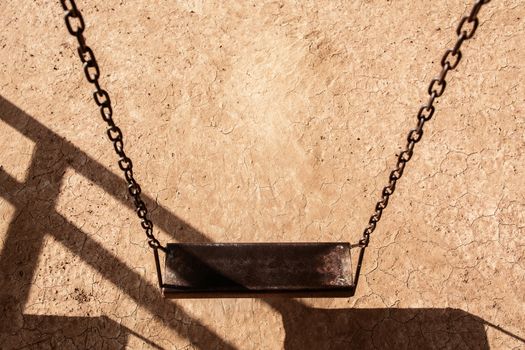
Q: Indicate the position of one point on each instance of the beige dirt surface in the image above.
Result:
(262, 122)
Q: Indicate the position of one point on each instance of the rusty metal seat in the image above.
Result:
(257, 269)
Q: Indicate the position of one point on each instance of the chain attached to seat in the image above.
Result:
(75, 25)
(465, 30)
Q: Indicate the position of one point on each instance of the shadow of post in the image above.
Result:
(36, 216)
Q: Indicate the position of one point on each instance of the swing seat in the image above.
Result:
(211, 270)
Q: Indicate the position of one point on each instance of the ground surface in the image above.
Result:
(252, 121)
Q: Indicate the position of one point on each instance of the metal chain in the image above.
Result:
(465, 30)
(75, 25)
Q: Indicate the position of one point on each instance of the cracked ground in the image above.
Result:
(262, 122)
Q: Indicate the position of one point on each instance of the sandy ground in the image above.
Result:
(261, 122)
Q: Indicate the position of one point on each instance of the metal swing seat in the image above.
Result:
(260, 269)
(257, 269)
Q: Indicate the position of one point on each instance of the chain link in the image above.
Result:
(75, 25)
(465, 30)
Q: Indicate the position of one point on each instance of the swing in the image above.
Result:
(260, 269)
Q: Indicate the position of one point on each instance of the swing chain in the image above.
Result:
(466, 28)
(75, 25)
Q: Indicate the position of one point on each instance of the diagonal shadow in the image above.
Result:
(35, 216)
(305, 327)
(92, 170)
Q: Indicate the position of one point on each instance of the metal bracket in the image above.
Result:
(157, 265)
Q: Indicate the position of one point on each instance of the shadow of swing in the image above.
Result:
(305, 327)
(385, 328)
(388, 328)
